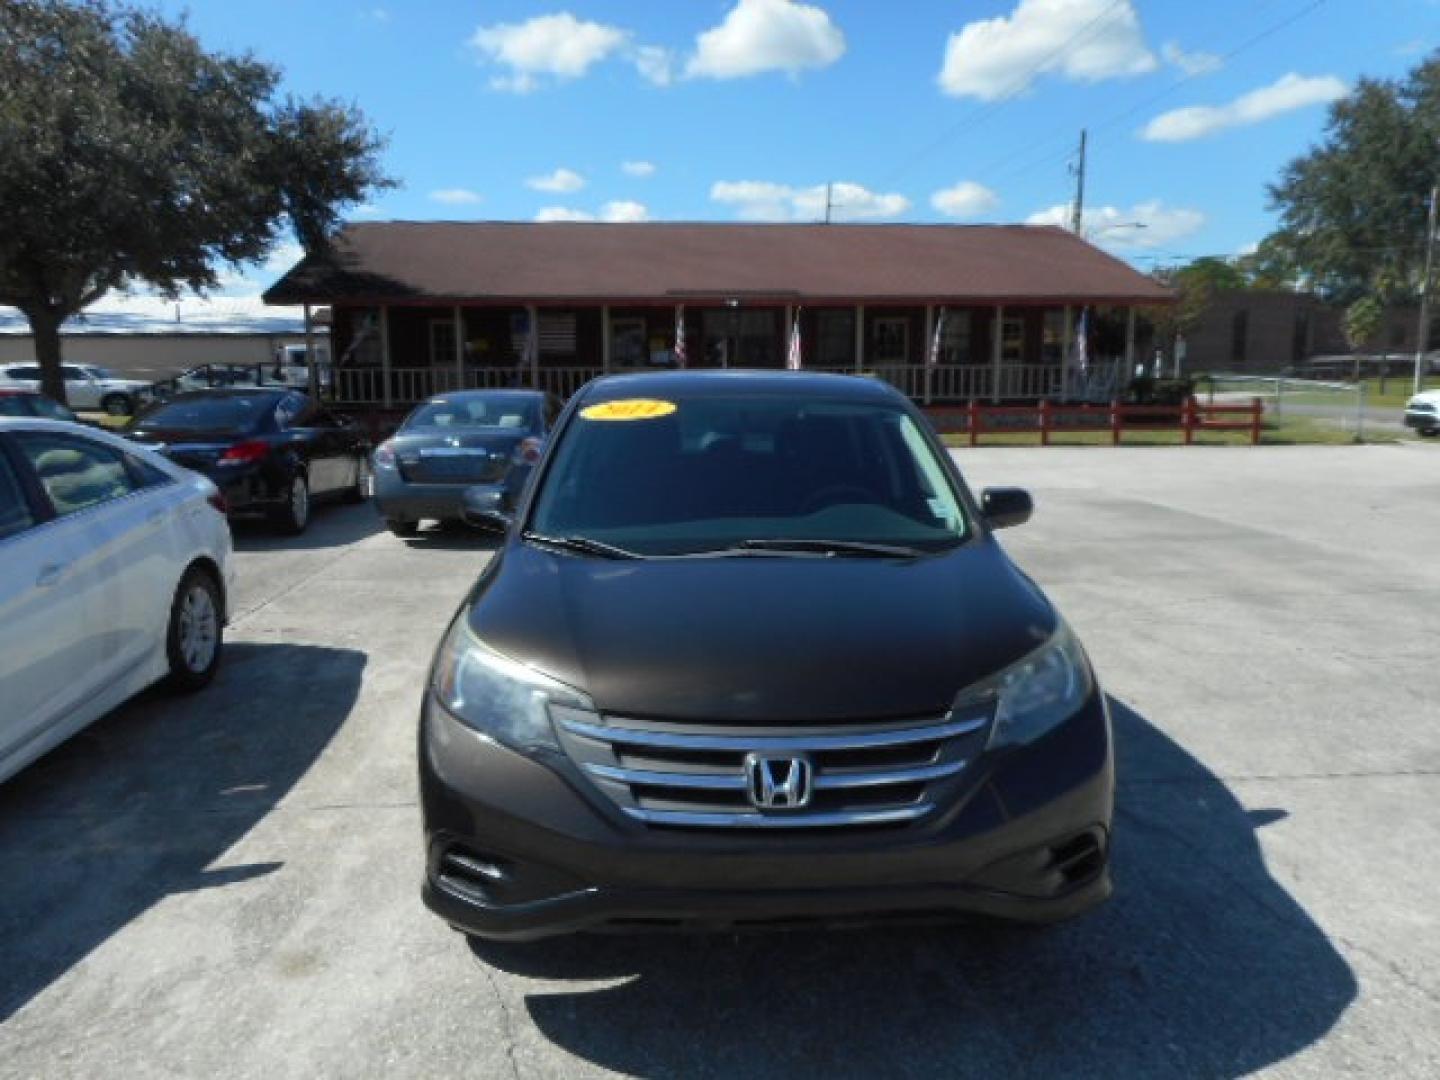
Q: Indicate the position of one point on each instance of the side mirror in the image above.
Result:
(1006, 506)
(484, 508)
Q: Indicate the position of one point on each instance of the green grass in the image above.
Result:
(1289, 432)
(1397, 391)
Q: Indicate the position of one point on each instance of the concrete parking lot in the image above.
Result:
(227, 885)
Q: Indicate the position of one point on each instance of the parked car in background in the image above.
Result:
(750, 655)
(34, 404)
(454, 442)
(1422, 412)
(270, 451)
(87, 387)
(114, 573)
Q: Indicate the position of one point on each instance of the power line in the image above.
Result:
(1007, 96)
(1116, 118)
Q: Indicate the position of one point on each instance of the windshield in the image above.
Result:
(714, 473)
(209, 414)
(477, 411)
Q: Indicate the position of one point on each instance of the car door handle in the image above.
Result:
(51, 575)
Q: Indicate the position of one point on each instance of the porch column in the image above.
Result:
(605, 337)
(310, 366)
(1067, 347)
(925, 348)
(859, 338)
(996, 353)
(459, 317)
(534, 316)
(386, 397)
(1129, 344)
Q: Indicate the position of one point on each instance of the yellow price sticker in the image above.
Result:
(628, 409)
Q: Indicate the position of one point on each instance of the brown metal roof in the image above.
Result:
(436, 261)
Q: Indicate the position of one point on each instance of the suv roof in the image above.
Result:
(716, 383)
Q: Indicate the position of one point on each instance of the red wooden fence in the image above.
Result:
(1051, 419)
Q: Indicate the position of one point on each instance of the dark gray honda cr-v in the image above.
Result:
(750, 655)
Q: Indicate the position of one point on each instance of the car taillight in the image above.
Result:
(246, 453)
(385, 456)
(527, 452)
(217, 500)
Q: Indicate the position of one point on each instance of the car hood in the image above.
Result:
(773, 638)
(1428, 397)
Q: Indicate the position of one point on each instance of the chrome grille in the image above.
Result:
(675, 775)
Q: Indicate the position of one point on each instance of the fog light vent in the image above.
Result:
(1078, 859)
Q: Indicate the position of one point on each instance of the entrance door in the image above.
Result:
(740, 338)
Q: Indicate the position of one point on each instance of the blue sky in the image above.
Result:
(920, 110)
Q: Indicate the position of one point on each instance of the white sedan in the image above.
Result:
(87, 387)
(1422, 412)
(115, 568)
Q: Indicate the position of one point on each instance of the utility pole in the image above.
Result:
(1077, 219)
(1422, 335)
(829, 201)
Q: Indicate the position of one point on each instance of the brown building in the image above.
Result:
(1271, 331)
(424, 307)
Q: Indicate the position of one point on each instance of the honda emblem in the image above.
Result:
(779, 782)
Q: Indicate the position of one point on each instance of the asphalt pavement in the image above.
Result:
(227, 885)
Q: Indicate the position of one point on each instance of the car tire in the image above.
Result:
(292, 516)
(195, 637)
(402, 529)
(364, 483)
(117, 405)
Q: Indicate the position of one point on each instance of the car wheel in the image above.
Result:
(294, 514)
(117, 405)
(364, 483)
(196, 636)
(402, 529)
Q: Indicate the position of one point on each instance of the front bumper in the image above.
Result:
(1422, 421)
(519, 849)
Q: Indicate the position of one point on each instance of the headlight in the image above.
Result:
(1037, 693)
(498, 696)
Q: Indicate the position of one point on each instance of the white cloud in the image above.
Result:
(766, 35)
(639, 169)
(562, 181)
(1286, 94)
(378, 14)
(763, 200)
(1088, 40)
(624, 210)
(619, 210)
(965, 199)
(655, 64)
(548, 46)
(455, 196)
(1191, 63)
(1113, 227)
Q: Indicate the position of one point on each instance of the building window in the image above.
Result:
(955, 338)
(557, 334)
(1012, 340)
(1239, 333)
(835, 338)
(1052, 344)
(627, 343)
(892, 340)
(442, 341)
(364, 348)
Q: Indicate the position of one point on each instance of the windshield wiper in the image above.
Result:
(582, 544)
(833, 547)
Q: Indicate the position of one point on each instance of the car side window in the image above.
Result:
(146, 475)
(25, 374)
(290, 412)
(72, 372)
(15, 515)
(76, 473)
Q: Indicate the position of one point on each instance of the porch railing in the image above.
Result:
(943, 383)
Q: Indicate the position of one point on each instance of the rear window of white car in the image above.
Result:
(76, 473)
(15, 516)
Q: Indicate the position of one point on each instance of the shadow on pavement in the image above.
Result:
(332, 525)
(454, 536)
(137, 807)
(1201, 965)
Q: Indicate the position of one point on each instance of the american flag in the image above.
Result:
(792, 359)
(1082, 342)
(934, 358)
(680, 336)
